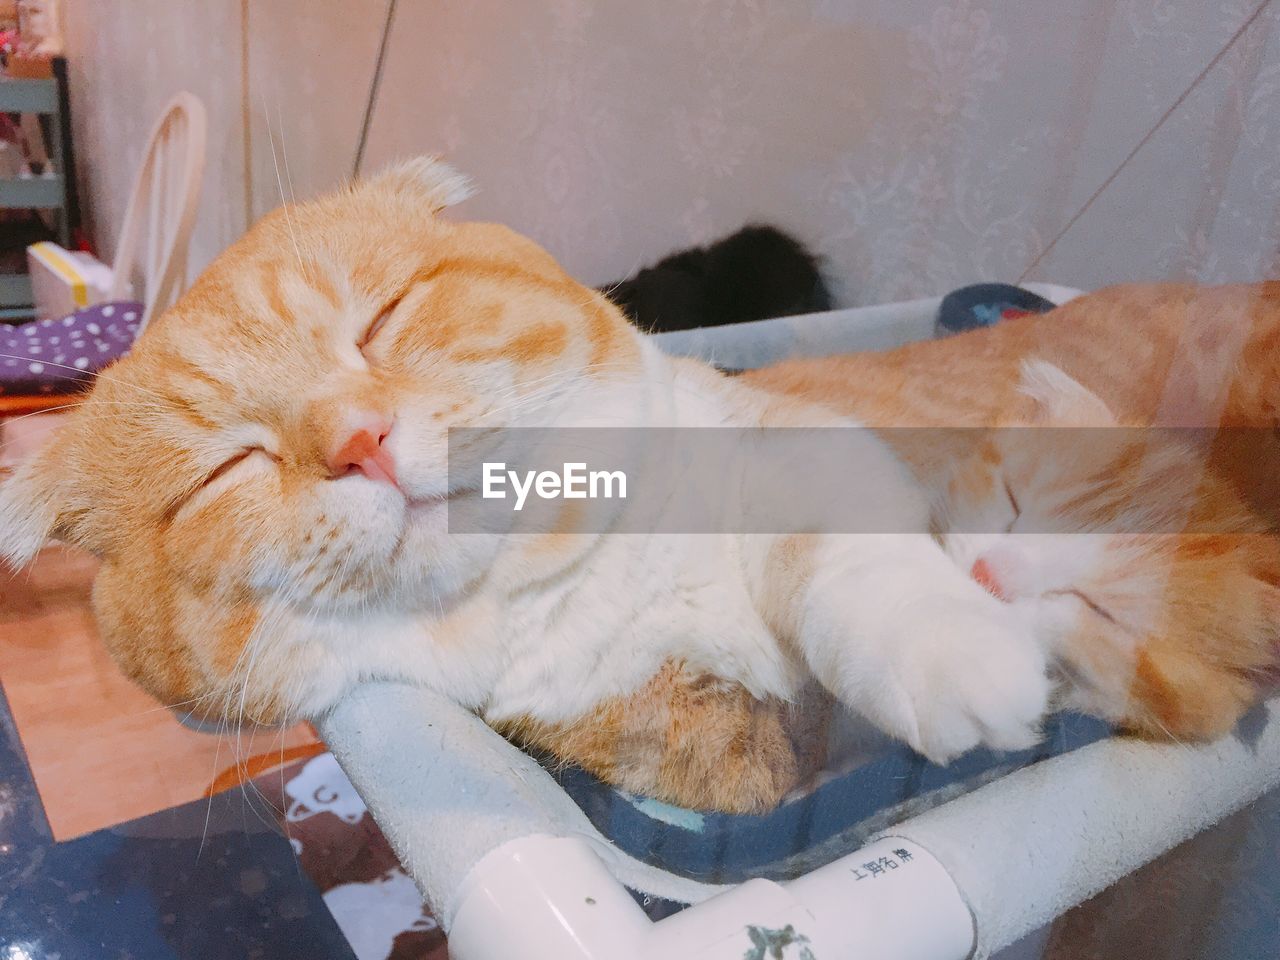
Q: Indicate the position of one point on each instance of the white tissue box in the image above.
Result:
(63, 281)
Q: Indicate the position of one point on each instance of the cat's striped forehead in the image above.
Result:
(262, 291)
(292, 301)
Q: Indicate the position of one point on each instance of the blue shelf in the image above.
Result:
(20, 95)
(32, 193)
(15, 295)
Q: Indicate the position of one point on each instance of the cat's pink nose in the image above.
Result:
(985, 577)
(362, 450)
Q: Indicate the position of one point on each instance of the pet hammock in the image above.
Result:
(886, 857)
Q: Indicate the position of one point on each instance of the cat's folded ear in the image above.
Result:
(32, 507)
(1060, 400)
(425, 179)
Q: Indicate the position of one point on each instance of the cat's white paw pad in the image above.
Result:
(967, 677)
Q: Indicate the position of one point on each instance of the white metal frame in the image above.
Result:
(481, 828)
(162, 208)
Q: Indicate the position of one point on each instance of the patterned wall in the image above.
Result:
(917, 144)
(304, 65)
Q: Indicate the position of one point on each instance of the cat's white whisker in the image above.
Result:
(172, 706)
(242, 756)
(72, 406)
(208, 810)
(286, 724)
(288, 216)
(284, 149)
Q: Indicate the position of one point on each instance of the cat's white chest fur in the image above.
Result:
(635, 601)
(639, 602)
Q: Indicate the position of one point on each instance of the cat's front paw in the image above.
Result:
(964, 675)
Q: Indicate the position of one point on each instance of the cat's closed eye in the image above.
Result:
(1088, 602)
(232, 462)
(1013, 502)
(378, 323)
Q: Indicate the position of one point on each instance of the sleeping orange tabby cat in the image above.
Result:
(265, 479)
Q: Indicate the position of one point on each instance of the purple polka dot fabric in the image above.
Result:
(61, 354)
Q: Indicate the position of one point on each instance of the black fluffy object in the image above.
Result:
(756, 273)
